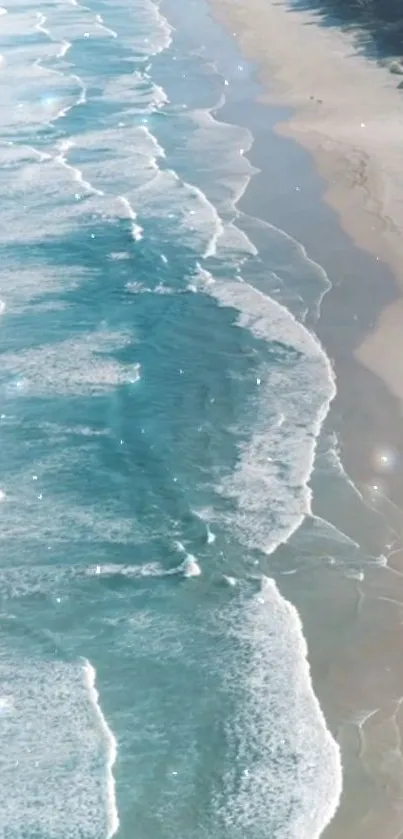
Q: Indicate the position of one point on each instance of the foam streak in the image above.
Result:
(113, 818)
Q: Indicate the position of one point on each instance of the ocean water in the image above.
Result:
(162, 398)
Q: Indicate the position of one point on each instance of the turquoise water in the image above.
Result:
(161, 398)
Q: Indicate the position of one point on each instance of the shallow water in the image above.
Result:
(161, 402)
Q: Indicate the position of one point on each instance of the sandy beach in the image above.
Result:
(347, 112)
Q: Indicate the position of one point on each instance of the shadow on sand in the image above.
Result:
(377, 24)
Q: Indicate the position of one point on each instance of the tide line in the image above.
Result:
(137, 231)
(112, 812)
(39, 26)
(61, 158)
(102, 25)
(64, 48)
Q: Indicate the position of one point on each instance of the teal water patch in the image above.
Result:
(160, 411)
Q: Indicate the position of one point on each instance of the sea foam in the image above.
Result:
(284, 777)
(270, 483)
(74, 366)
(57, 751)
(127, 170)
(111, 751)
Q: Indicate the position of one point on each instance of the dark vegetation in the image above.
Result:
(378, 24)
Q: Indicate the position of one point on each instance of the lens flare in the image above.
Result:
(384, 460)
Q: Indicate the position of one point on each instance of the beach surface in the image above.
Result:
(346, 110)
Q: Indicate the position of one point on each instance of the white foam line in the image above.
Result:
(360, 723)
(101, 24)
(113, 817)
(205, 276)
(221, 100)
(39, 26)
(60, 114)
(81, 6)
(208, 116)
(384, 561)
(211, 248)
(304, 253)
(339, 536)
(165, 26)
(211, 537)
(189, 567)
(381, 495)
(83, 95)
(251, 304)
(332, 805)
(128, 207)
(305, 794)
(396, 725)
(390, 600)
(364, 717)
(80, 101)
(38, 63)
(64, 48)
(159, 150)
(220, 228)
(137, 231)
(334, 451)
(61, 158)
(42, 156)
(322, 413)
(159, 90)
(317, 424)
(299, 245)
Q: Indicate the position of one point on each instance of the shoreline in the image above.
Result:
(360, 688)
(351, 126)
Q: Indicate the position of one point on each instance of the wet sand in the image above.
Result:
(348, 111)
(348, 114)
